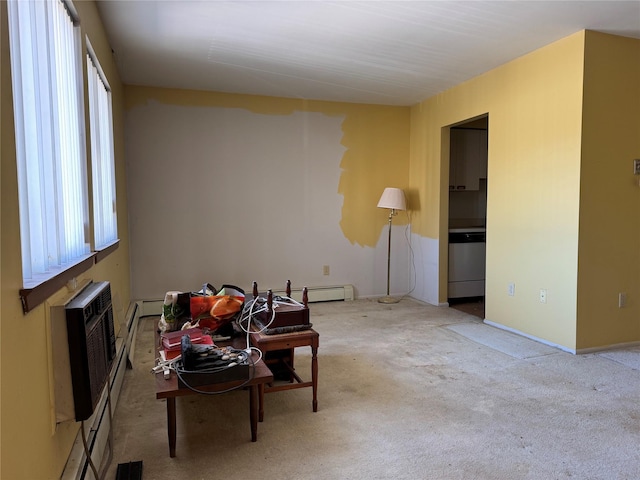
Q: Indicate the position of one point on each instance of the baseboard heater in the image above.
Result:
(322, 294)
(315, 294)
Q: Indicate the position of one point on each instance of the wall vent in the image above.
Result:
(92, 345)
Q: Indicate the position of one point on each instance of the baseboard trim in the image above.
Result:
(579, 351)
(614, 346)
(530, 337)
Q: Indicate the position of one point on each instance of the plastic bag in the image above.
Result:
(171, 312)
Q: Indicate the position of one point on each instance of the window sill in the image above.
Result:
(39, 289)
(107, 250)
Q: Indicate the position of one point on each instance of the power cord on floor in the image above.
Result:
(110, 441)
(413, 258)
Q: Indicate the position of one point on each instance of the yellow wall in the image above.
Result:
(534, 107)
(31, 446)
(563, 130)
(609, 251)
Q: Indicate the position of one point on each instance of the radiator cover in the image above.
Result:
(92, 345)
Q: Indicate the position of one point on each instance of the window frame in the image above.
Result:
(38, 287)
(102, 163)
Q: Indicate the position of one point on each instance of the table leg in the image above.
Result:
(253, 411)
(314, 375)
(171, 425)
(261, 402)
(291, 354)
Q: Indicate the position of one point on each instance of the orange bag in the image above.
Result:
(214, 311)
(225, 306)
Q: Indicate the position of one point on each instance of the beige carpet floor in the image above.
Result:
(406, 391)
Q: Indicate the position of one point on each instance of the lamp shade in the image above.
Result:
(392, 198)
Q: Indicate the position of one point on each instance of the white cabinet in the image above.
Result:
(468, 158)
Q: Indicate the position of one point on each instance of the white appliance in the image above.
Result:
(467, 262)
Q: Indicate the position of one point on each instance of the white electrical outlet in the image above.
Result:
(325, 270)
(622, 299)
(543, 295)
(511, 289)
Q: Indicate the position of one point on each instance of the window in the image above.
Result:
(102, 159)
(50, 146)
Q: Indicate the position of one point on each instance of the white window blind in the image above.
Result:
(49, 125)
(102, 159)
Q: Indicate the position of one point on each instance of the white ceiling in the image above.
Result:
(380, 52)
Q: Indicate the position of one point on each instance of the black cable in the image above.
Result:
(87, 452)
(180, 371)
(86, 446)
(110, 429)
(413, 258)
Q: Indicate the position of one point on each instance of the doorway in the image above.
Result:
(467, 217)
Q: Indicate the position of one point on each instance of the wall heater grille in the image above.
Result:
(92, 345)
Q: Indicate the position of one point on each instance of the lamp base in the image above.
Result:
(388, 299)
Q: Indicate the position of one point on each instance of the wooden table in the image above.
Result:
(168, 388)
(289, 341)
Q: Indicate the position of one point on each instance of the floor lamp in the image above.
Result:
(392, 198)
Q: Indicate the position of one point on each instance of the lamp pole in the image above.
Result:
(388, 298)
(393, 199)
(389, 253)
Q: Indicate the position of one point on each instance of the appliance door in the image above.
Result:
(467, 262)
